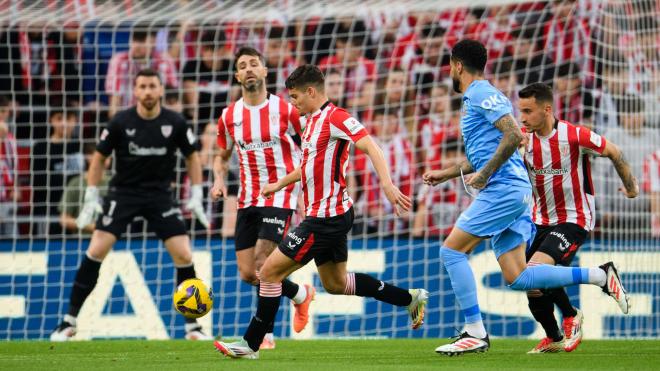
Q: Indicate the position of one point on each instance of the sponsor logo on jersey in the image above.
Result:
(106, 220)
(170, 212)
(565, 244)
(255, 146)
(543, 171)
(166, 130)
(596, 139)
(136, 150)
(493, 101)
(294, 237)
(280, 230)
(275, 221)
(130, 132)
(104, 134)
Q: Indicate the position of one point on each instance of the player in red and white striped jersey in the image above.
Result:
(557, 154)
(322, 236)
(263, 127)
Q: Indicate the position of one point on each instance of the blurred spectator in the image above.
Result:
(391, 92)
(10, 61)
(70, 59)
(358, 71)
(437, 123)
(173, 99)
(439, 207)
(505, 81)
(573, 100)
(614, 87)
(567, 35)
(125, 65)
(9, 194)
(177, 41)
(279, 60)
(646, 66)
(54, 162)
(651, 186)
(432, 54)
(398, 151)
(71, 202)
(529, 63)
(334, 87)
(207, 81)
(39, 65)
(637, 142)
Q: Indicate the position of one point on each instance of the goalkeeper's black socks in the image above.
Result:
(262, 322)
(542, 309)
(361, 284)
(83, 284)
(559, 297)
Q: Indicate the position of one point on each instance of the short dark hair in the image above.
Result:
(432, 30)
(332, 71)
(542, 92)
(305, 76)
(502, 67)
(142, 31)
(385, 110)
(569, 70)
(276, 33)
(356, 33)
(629, 103)
(213, 39)
(471, 53)
(148, 72)
(247, 50)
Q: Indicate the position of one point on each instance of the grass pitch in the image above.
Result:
(335, 355)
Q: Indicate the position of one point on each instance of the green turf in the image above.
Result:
(336, 355)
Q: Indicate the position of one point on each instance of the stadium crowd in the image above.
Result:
(60, 85)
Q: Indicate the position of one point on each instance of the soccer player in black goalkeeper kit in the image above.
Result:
(145, 139)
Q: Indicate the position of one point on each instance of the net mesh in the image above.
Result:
(387, 63)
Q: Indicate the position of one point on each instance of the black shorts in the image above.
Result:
(321, 239)
(560, 241)
(158, 208)
(266, 223)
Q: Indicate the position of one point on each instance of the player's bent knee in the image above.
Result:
(534, 293)
(248, 276)
(334, 288)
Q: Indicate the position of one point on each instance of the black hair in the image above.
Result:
(542, 92)
(148, 72)
(569, 70)
(276, 33)
(213, 39)
(305, 76)
(142, 31)
(247, 50)
(502, 67)
(385, 110)
(356, 33)
(472, 54)
(432, 30)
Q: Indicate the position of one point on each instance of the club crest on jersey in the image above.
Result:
(565, 150)
(166, 130)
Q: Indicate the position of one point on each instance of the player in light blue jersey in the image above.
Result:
(501, 210)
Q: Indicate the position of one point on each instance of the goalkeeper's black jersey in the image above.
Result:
(145, 150)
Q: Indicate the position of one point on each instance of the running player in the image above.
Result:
(501, 209)
(322, 235)
(557, 154)
(264, 128)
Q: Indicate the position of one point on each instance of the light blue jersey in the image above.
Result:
(482, 106)
(501, 210)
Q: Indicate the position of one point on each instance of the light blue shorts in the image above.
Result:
(501, 213)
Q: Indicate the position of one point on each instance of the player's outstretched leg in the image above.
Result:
(545, 276)
(364, 285)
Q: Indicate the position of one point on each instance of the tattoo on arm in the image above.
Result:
(623, 169)
(512, 136)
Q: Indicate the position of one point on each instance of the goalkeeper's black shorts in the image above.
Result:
(158, 208)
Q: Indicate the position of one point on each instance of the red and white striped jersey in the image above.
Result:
(266, 150)
(325, 143)
(560, 173)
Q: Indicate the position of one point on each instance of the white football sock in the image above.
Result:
(70, 319)
(301, 295)
(476, 329)
(269, 336)
(597, 276)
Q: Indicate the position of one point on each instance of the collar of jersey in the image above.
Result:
(318, 111)
(258, 106)
(554, 130)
